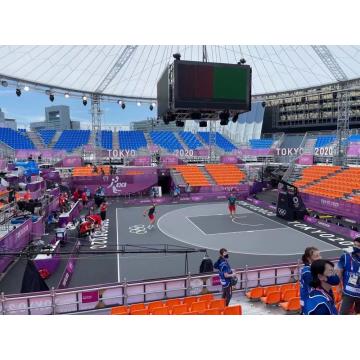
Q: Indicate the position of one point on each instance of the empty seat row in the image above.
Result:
(166, 139)
(47, 135)
(260, 143)
(193, 305)
(72, 139)
(220, 141)
(132, 140)
(190, 140)
(106, 139)
(225, 174)
(15, 139)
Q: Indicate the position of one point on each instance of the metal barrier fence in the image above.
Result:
(106, 296)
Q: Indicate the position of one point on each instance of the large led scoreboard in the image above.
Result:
(204, 87)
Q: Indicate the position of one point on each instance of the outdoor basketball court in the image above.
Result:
(252, 239)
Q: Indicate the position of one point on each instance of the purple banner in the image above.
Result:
(169, 160)
(70, 267)
(354, 150)
(305, 160)
(332, 206)
(38, 228)
(228, 159)
(201, 152)
(65, 218)
(116, 185)
(253, 152)
(336, 229)
(14, 241)
(141, 161)
(35, 186)
(89, 296)
(72, 161)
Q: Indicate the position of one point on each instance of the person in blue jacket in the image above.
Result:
(225, 274)
(310, 255)
(349, 272)
(321, 298)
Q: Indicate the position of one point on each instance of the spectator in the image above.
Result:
(349, 272)
(87, 192)
(310, 255)
(226, 275)
(95, 169)
(84, 198)
(103, 208)
(76, 195)
(102, 172)
(176, 192)
(27, 195)
(321, 298)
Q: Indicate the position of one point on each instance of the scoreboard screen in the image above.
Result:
(212, 86)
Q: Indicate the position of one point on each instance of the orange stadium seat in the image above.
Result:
(255, 293)
(206, 297)
(172, 302)
(140, 312)
(160, 311)
(180, 309)
(189, 300)
(212, 312)
(233, 310)
(154, 305)
(272, 298)
(199, 306)
(136, 307)
(288, 294)
(292, 305)
(217, 304)
(225, 174)
(120, 310)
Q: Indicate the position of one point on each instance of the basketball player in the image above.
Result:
(232, 205)
(151, 215)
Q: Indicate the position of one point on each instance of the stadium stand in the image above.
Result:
(192, 175)
(190, 140)
(225, 174)
(72, 139)
(341, 185)
(47, 136)
(165, 139)
(315, 173)
(325, 140)
(260, 143)
(15, 139)
(106, 139)
(220, 141)
(194, 305)
(132, 140)
(88, 170)
(354, 138)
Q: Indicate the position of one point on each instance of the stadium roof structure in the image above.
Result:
(132, 71)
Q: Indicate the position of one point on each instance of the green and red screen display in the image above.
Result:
(212, 86)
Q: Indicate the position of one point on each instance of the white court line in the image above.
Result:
(117, 245)
(217, 249)
(195, 226)
(242, 231)
(291, 228)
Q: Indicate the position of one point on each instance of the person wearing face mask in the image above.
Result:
(226, 275)
(321, 298)
(349, 272)
(310, 255)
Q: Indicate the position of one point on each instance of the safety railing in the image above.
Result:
(125, 293)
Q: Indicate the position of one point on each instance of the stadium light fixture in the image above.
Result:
(84, 100)
(180, 123)
(138, 103)
(177, 56)
(26, 88)
(18, 92)
(67, 95)
(151, 107)
(263, 104)
(4, 83)
(123, 105)
(51, 97)
(242, 61)
(203, 123)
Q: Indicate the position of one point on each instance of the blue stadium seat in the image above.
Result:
(354, 138)
(47, 136)
(220, 141)
(15, 139)
(260, 143)
(106, 139)
(190, 140)
(322, 141)
(166, 139)
(72, 139)
(132, 140)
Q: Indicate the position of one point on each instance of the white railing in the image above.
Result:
(106, 296)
